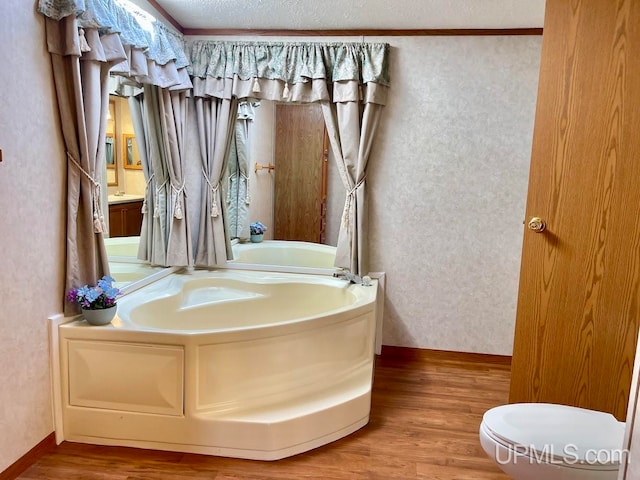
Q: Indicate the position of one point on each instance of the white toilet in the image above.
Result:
(542, 441)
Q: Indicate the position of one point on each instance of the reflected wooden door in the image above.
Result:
(579, 299)
(300, 188)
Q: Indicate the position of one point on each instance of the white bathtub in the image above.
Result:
(234, 363)
(285, 253)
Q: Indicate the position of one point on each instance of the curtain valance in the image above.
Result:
(154, 54)
(295, 71)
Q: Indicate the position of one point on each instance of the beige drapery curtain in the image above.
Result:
(87, 40)
(155, 214)
(81, 72)
(237, 171)
(345, 77)
(166, 233)
(351, 128)
(141, 127)
(215, 116)
(173, 107)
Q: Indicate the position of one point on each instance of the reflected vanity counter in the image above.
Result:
(285, 253)
(235, 363)
(124, 198)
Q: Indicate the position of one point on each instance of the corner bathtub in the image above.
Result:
(285, 253)
(242, 364)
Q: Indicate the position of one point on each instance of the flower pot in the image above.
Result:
(102, 316)
(257, 238)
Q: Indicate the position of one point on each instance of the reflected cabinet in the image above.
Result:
(125, 219)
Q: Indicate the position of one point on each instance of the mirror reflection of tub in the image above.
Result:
(128, 271)
(122, 247)
(285, 253)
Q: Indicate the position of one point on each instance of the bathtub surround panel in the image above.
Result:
(265, 387)
(246, 374)
(140, 378)
(32, 180)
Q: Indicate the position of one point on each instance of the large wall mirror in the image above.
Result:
(125, 195)
(280, 173)
(111, 157)
(130, 154)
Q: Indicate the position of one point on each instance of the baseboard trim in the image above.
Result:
(410, 353)
(32, 456)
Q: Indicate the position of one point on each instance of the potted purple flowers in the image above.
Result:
(257, 229)
(98, 303)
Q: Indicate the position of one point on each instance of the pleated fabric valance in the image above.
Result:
(153, 54)
(304, 72)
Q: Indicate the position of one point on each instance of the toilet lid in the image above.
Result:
(568, 434)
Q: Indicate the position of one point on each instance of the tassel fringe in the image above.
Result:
(82, 40)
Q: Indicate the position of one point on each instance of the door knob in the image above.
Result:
(537, 225)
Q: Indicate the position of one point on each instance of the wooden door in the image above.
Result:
(300, 190)
(579, 298)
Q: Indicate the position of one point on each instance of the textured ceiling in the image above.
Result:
(353, 14)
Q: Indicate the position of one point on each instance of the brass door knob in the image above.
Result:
(537, 225)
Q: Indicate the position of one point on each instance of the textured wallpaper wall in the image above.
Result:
(449, 172)
(32, 177)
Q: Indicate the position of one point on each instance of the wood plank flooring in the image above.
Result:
(426, 410)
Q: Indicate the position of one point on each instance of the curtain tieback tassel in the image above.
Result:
(214, 193)
(214, 203)
(98, 223)
(256, 85)
(179, 194)
(177, 212)
(145, 208)
(285, 91)
(346, 214)
(82, 41)
(229, 187)
(98, 219)
(247, 196)
(156, 211)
